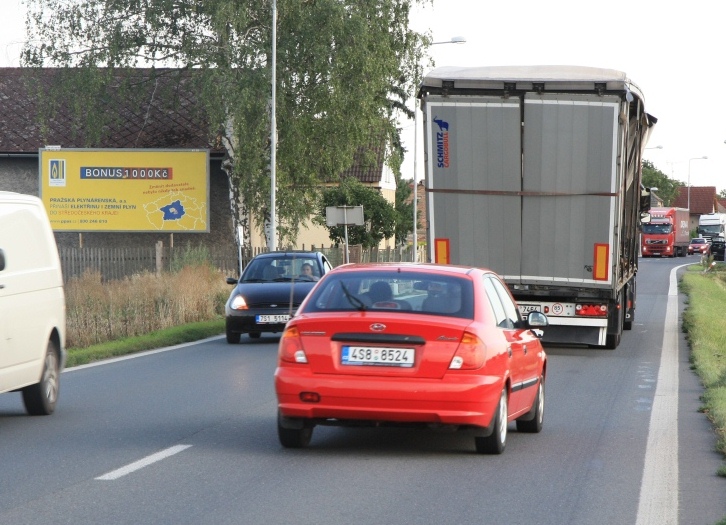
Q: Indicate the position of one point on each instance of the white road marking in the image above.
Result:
(658, 503)
(140, 354)
(144, 462)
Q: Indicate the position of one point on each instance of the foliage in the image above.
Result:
(158, 339)
(378, 214)
(98, 312)
(344, 69)
(404, 211)
(654, 178)
(190, 256)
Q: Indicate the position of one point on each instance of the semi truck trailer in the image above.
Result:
(712, 225)
(535, 173)
(665, 233)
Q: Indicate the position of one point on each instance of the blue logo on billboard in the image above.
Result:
(57, 172)
(442, 143)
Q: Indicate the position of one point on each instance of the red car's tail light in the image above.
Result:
(291, 347)
(591, 310)
(470, 354)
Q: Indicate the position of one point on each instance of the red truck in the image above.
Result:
(666, 234)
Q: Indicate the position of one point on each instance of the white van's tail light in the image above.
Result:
(470, 354)
(291, 350)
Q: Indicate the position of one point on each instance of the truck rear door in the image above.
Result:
(474, 178)
(569, 185)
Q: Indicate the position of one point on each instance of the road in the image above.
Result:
(188, 436)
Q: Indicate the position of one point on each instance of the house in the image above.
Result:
(146, 125)
(370, 168)
(703, 200)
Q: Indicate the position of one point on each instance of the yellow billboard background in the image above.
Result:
(125, 190)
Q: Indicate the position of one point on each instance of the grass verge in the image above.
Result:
(705, 325)
(158, 339)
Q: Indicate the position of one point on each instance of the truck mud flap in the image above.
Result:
(581, 335)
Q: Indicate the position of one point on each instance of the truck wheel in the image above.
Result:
(612, 341)
(40, 399)
(629, 296)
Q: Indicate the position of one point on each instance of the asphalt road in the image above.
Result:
(188, 436)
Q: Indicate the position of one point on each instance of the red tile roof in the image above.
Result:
(367, 165)
(152, 124)
(703, 199)
(148, 125)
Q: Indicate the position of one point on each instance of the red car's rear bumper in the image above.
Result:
(457, 399)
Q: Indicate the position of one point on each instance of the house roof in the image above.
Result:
(150, 124)
(703, 199)
(367, 163)
(146, 125)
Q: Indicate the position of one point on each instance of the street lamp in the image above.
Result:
(689, 179)
(453, 40)
(656, 147)
(272, 242)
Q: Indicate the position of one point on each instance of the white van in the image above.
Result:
(32, 304)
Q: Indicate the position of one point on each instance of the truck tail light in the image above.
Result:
(470, 354)
(591, 310)
(291, 350)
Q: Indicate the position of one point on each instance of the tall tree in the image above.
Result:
(343, 67)
(404, 211)
(655, 178)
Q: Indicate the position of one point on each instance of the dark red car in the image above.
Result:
(414, 345)
(699, 245)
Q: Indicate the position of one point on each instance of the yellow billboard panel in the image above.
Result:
(125, 190)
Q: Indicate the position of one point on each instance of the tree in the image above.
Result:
(404, 211)
(343, 67)
(378, 214)
(654, 178)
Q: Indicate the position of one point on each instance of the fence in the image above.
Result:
(119, 263)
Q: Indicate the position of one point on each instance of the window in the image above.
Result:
(500, 316)
(510, 309)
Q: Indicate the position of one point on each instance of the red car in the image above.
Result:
(699, 245)
(411, 344)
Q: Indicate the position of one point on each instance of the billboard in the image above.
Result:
(125, 190)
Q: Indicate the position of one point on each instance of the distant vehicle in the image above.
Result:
(666, 234)
(718, 248)
(269, 291)
(712, 225)
(411, 345)
(534, 173)
(32, 304)
(698, 245)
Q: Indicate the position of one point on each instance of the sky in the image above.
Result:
(669, 49)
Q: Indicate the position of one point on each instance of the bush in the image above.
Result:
(98, 312)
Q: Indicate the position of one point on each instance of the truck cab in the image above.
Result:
(665, 233)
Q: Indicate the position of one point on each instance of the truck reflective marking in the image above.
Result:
(602, 262)
(442, 251)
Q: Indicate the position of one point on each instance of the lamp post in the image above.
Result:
(272, 241)
(689, 179)
(453, 40)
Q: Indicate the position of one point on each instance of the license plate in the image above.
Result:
(526, 308)
(376, 356)
(268, 319)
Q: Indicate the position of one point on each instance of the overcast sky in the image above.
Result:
(670, 49)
